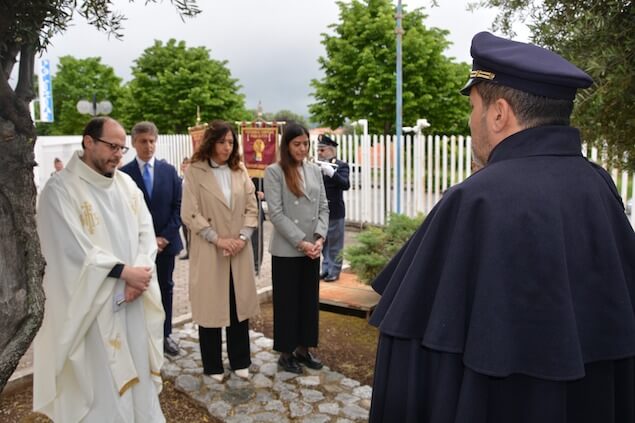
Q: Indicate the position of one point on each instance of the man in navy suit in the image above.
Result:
(161, 188)
(336, 181)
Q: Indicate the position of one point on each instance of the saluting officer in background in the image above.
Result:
(336, 180)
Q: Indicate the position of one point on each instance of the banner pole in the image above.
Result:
(261, 229)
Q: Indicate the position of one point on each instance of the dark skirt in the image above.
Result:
(296, 307)
(416, 384)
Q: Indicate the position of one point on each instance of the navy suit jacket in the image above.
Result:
(165, 205)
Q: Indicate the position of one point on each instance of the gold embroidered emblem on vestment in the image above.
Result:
(134, 204)
(88, 217)
(115, 343)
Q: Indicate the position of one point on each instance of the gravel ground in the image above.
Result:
(177, 408)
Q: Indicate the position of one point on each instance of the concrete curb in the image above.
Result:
(23, 378)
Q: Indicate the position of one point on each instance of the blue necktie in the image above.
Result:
(147, 179)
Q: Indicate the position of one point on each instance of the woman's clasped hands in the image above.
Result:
(312, 249)
(230, 246)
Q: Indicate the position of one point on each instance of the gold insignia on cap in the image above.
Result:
(482, 74)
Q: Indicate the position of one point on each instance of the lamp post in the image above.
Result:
(419, 147)
(420, 126)
(364, 124)
(399, 100)
(93, 108)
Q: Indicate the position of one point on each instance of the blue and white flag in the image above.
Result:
(46, 91)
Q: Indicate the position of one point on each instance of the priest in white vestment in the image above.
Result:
(98, 355)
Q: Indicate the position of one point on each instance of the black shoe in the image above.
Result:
(170, 347)
(309, 361)
(331, 278)
(324, 275)
(290, 364)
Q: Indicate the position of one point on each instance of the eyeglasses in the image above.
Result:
(113, 147)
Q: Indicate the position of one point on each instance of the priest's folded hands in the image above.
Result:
(137, 281)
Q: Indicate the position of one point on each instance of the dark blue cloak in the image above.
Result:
(521, 276)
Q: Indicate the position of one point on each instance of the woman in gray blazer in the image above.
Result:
(299, 212)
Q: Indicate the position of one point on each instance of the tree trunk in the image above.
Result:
(21, 262)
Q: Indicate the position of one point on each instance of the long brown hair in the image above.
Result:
(214, 133)
(288, 163)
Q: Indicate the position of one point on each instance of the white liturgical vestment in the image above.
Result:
(96, 358)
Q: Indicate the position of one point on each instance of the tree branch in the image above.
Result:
(14, 109)
(8, 60)
(24, 89)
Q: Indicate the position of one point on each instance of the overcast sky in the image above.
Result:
(271, 46)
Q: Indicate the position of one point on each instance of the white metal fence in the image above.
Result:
(429, 166)
(172, 148)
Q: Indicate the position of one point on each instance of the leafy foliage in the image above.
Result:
(599, 37)
(359, 70)
(169, 82)
(80, 79)
(376, 246)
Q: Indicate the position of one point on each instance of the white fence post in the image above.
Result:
(383, 191)
(366, 190)
(419, 171)
(444, 164)
(429, 174)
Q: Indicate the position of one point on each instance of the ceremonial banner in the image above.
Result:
(196, 133)
(259, 149)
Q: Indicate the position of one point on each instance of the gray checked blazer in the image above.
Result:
(295, 218)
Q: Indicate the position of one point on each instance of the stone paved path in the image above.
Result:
(317, 396)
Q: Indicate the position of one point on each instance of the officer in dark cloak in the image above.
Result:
(514, 301)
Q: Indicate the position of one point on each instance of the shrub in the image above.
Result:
(377, 245)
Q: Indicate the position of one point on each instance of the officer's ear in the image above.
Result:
(501, 116)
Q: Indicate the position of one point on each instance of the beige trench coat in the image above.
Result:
(204, 205)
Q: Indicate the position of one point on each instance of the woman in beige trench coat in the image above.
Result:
(219, 208)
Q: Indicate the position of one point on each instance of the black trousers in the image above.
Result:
(187, 235)
(296, 307)
(237, 334)
(165, 270)
(257, 240)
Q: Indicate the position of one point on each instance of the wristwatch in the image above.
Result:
(243, 237)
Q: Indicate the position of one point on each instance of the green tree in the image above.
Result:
(26, 28)
(81, 79)
(171, 80)
(359, 71)
(599, 37)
